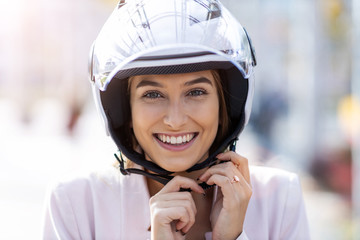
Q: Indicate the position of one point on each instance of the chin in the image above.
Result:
(177, 167)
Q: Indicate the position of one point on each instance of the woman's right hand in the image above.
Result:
(172, 211)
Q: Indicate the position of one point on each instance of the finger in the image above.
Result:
(172, 196)
(185, 220)
(184, 224)
(240, 162)
(227, 189)
(225, 169)
(189, 205)
(233, 192)
(173, 199)
(179, 182)
(231, 172)
(168, 215)
(183, 227)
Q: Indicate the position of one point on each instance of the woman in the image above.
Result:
(173, 83)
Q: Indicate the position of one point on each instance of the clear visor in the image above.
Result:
(142, 34)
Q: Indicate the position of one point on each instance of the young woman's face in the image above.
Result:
(175, 117)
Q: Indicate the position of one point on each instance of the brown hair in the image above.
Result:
(224, 120)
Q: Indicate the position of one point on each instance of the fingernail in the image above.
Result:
(182, 233)
(176, 230)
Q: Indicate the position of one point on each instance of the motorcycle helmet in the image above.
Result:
(166, 37)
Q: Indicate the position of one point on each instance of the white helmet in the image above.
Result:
(170, 36)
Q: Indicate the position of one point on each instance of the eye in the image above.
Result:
(152, 95)
(197, 92)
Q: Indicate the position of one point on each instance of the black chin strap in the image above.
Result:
(162, 178)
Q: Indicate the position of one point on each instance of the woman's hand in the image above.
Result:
(233, 177)
(173, 212)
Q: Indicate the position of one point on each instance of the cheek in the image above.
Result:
(143, 116)
(213, 116)
(206, 115)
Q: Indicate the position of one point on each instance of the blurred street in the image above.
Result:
(34, 155)
(305, 116)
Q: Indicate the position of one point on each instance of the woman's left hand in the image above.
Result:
(233, 178)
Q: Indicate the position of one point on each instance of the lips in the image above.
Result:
(176, 140)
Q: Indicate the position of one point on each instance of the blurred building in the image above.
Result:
(44, 51)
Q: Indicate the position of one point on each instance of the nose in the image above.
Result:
(176, 115)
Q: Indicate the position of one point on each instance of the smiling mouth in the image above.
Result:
(176, 140)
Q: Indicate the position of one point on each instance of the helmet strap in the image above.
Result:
(161, 178)
(164, 179)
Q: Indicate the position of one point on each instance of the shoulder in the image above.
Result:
(276, 204)
(274, 189)
(266, 176)
(274, 184)
(86, 183)
(76, 198)
(75, 201)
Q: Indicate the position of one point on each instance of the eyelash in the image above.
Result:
(199, 92)
(148, 95)
(191, 93)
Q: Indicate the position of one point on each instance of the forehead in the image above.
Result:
(170, 79)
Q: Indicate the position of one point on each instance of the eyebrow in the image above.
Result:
(198, 80)
(146, 82)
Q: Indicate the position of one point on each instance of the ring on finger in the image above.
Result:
(235, 179)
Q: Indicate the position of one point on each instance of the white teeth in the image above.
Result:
(175, 140)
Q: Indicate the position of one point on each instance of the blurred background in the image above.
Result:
(306, 113)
